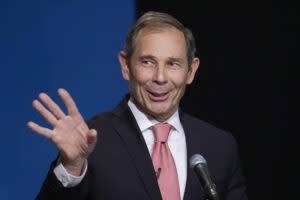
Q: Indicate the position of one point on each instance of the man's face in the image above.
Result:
(158, 71)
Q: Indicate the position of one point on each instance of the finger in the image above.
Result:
(92, 136)
(48, 116)
(53, 107)
(40, 130)
(69, 102)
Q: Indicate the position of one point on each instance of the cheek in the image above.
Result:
(137, 81)
(142, 76)
(179, 80)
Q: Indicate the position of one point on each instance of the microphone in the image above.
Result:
(199, 164)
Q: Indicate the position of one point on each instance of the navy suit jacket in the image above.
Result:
(120, 166)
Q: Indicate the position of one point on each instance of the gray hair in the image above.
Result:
(158, 20)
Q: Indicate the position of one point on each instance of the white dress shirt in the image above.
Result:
(176, 143)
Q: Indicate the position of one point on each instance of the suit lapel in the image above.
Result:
(187, 131)
(192, 145)
(126, 126)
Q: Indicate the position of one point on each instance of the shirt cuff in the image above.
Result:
(68, 180)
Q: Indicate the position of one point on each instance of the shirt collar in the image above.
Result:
(145, 121)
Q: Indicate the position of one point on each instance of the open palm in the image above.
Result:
(71, 135)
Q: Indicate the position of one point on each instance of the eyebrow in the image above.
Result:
(147, 57)
(180, 60)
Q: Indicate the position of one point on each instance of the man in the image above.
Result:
(129, 160)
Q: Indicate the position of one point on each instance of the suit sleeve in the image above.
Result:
(52, 188)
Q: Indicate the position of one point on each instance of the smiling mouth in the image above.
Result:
(154, 96)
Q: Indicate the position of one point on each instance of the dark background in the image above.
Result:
(245, 50)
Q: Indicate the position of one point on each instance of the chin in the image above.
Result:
(159, 111)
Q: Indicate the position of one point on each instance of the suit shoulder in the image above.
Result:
(100, 119)
(201, 128)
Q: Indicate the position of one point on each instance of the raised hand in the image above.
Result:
(71, 135)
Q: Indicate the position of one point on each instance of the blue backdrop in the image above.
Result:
(45, 45)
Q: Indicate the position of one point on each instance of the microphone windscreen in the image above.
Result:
(197, 159)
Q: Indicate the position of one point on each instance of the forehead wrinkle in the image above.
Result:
(150, 53)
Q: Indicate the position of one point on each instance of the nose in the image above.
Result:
(160, 75)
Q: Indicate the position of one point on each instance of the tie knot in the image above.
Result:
(161, 131)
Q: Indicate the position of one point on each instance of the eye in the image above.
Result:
(147, 62)
(174, 64)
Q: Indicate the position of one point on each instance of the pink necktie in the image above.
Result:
(164, 164)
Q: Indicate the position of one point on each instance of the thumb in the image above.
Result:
(92, 137)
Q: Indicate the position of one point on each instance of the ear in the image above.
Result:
(124, 65)
(192, 71)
